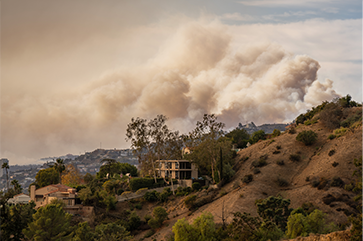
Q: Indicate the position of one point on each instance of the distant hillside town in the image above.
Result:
(86, 163)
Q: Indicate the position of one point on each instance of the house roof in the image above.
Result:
(59, 186)
(21, 194)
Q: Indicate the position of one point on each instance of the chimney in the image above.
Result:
(32, 192)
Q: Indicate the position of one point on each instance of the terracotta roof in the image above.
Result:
(59, 186)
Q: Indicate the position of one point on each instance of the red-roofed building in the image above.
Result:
(45, 195)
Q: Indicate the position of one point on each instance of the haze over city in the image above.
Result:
(74, 73)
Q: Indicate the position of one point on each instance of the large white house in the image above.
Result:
(20, 198)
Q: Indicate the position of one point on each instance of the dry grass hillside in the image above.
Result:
(310, 180)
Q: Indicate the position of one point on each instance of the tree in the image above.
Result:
(50, 222)
(59, 167)
(274, 209)
(112, 232)
(84, 233)
(46, 177)
(258, 135)
(17, 188)
(239, 137)
(300, 224)
(117, 168)
(205, 143)
(307, 137)
(72, 177)
(107, 163)
(203, 229)
(151, 140)
(6, 166)
(13, 218)
(356, 230)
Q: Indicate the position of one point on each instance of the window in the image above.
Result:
(166, 174)
(176, 175)
(176, 165)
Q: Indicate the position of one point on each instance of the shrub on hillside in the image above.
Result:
(331, 136)
(295, 157)
(256, 171)
(280, 162)
(151, 196)
(307, 137)
(260, 162)
(282, 182)
(292, 130)
(247, 178)
(337, 182)
(276, 132)
(331, 152)
(331, 115)
(138, 183)
(196, 186)
(189, 201)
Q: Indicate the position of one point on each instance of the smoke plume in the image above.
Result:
(195, 72)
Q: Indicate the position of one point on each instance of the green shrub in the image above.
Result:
(276, 152)
(301, 225)
(331, 136)
(151, 196)
(280, 162)
(138, 206)
(160, 214)
(307, 137)
(278, 147)
(147, 217)
(295, 158)
(292, 130)
(138, 183)
(258, 135)
(276, 132)
(247, 178)
(134, 222)
(189, 201)
(196, 186)
(153, 223)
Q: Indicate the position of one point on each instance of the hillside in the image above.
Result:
(315, 168)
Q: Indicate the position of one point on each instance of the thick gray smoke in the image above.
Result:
(196, 72)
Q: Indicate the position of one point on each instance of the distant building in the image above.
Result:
(45, 195)
(2, 171)
(20, 198)
(177, 169)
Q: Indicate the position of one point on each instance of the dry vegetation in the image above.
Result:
(318, 177)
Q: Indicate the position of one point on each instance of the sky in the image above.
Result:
(74, 73)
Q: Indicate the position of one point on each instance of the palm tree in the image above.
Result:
(59, 167)
(17, 186)
(108, 163)
(6, 166)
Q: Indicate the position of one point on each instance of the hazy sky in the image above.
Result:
(74, 73)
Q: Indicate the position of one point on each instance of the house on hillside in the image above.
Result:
(20, 198)
(182, 170)
(45, 195)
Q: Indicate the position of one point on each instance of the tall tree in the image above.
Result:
(59, 167)
(46, 177)
(108, 162)
(205, 142)
(6, 166)
(50, 222)
(17, 188)
(72, 176)
(151, 140)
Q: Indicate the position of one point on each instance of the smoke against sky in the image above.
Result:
(69, 100)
